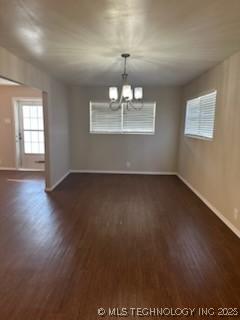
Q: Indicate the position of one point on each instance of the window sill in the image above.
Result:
(198, 137)
(124, 133)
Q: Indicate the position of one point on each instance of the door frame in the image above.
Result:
(45, 99)
(15, 112)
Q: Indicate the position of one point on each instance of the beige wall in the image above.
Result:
(7, 130)
(213, 167)
(150, 153)
(57, 122)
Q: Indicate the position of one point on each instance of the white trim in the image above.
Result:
(28, 99)
(124, 172)
(202, 198)
(211, 207)
(21, 169)
(122, 131)
(154, 117)
(201, 93)
(15, 131)
(197, 137)
(200, 129)
(90, 116)
(15, 113)
(58, 182)
(29, 169)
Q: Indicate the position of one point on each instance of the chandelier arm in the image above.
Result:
(121, 98)
(119, 104)
(130, 104)
(114, 108)
(140, 108)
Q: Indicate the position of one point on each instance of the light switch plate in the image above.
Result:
(7, 120)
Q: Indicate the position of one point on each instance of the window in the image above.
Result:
(200, 116)
(122, 121)
(33, 129)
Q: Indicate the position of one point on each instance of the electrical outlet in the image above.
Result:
(236, 213)
(128, 164)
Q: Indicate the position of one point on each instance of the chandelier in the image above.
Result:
(130, 98)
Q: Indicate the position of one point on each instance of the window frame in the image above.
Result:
(122, 132)
(196, 136)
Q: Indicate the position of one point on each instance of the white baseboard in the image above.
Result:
(124, 172)
(8, 169)
(20, 169)
(212, 208)
(29, 170)
(201, 197)
(57, 183)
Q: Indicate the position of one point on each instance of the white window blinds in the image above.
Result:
(123, 121)
(103, 120)
(200, 116)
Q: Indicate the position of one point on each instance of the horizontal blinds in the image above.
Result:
(105, 120)
(102, 119)
(207, 114)
(139, 120)
(192, 117)
(200, 116)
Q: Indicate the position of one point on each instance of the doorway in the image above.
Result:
(29, 134)
(23, 135)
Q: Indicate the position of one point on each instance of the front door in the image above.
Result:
(31, 135)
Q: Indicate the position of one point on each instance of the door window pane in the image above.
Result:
(26, 124)
(41, 136)
(40, 112)
(27, 136)
(34, 111)
(34, 136)
(41, 148)
(40, 124)
(35, 147)
(34, 124)
(26, 112)
(33, 129)
(27, 147)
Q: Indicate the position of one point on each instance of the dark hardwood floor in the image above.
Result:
(110, 241)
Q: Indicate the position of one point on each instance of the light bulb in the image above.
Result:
(113, 93)
(127, 91)
(138, 93)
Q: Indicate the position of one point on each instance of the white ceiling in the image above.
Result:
(80, 41)
(5, 82)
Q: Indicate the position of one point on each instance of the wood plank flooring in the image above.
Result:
(110, 241)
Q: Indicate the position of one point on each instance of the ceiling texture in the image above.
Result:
(80, 41)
